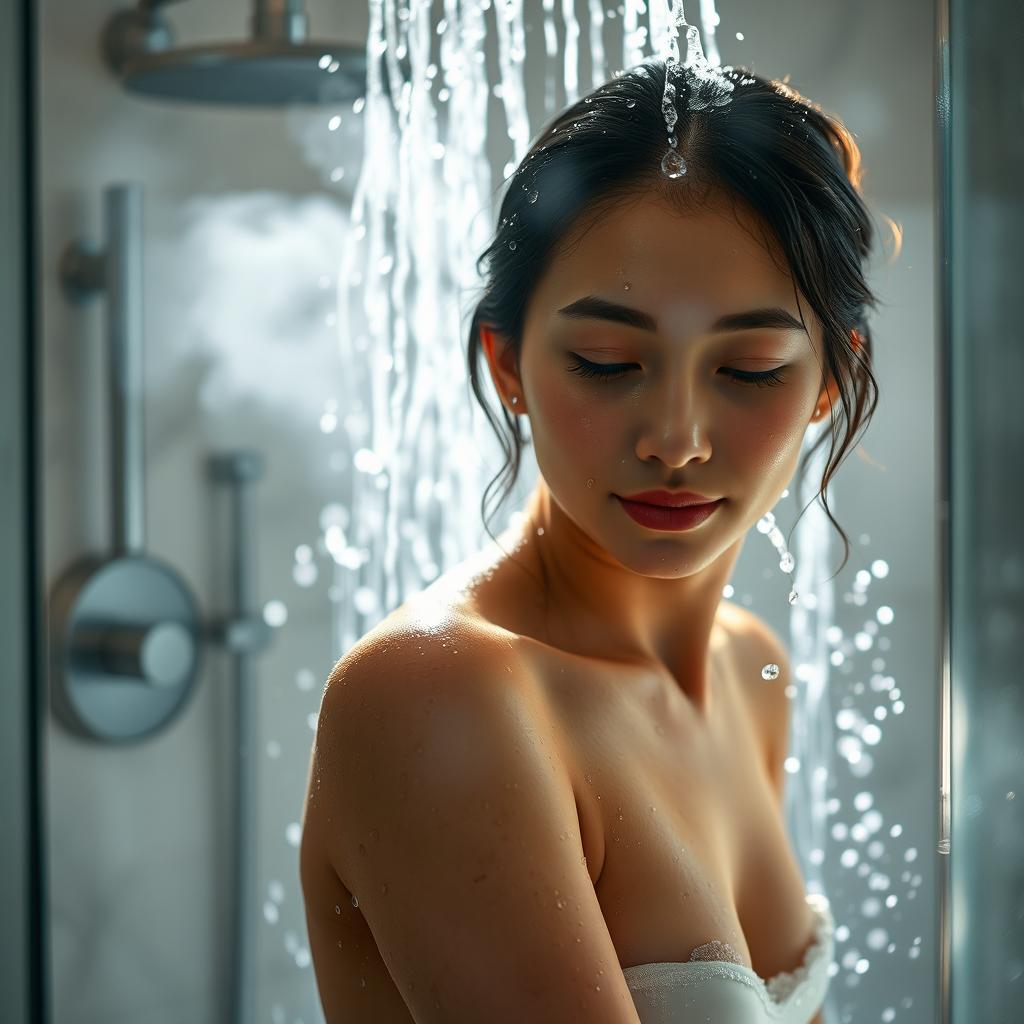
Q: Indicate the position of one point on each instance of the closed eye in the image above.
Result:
(608, 371)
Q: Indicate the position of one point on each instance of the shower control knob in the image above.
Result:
(126, 646)
(160, 654)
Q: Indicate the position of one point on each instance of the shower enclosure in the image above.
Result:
(177, 537)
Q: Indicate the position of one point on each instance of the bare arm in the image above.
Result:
(461, 841)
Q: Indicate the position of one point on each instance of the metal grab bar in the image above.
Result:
(126, 629)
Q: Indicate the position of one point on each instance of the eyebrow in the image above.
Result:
(590, 307)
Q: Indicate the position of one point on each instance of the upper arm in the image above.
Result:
(456, 828)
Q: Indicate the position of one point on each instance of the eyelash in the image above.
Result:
(585, 368)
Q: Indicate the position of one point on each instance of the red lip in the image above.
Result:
(673, 499)
(664, 517)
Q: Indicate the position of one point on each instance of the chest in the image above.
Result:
(683, 836)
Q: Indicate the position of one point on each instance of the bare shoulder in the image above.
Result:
(752, 634)
(755, 645)
(409, 666)
(421, 701)
(455, 828)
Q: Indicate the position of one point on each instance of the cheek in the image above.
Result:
(770, 439)
(574, 423)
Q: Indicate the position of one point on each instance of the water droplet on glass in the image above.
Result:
(672, 164)
(770, 671)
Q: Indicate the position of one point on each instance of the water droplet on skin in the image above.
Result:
(355, 902)
(590, 483)
(673, 165)
(512, 245)
(630, 103)
(793, 597)
(626, 285)
(337, 908)
(770, 671)
(787, 562)
(532, 197)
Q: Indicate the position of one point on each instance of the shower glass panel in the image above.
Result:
(984, 341)
(249, 216)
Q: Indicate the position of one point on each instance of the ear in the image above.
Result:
(501, 359)
(829, 395)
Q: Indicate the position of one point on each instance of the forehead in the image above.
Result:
(713, 258)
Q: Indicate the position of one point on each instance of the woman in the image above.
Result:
(549, 788)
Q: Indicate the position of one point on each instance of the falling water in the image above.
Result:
(421, 213)
(419, 455)
(710, 87)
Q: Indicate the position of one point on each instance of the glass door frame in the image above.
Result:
(24, 942)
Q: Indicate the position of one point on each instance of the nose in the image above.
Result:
(674, 428)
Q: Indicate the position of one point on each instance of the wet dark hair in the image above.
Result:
(797, 168)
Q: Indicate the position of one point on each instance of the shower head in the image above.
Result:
(254, 74)
(277, 66)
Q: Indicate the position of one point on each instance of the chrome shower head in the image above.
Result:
(277, 66)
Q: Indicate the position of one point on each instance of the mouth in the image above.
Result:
(666, 517)
(669, 499)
